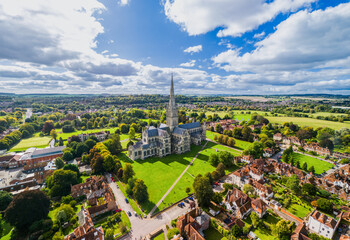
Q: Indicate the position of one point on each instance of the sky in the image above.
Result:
(237, 47)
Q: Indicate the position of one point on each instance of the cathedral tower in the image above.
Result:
(172, 113)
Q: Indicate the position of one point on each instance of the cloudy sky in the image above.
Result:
(211, 46)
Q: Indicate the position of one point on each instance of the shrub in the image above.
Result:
(344, 161)
(172, 232)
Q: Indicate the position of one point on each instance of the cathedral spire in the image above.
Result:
(172, 113)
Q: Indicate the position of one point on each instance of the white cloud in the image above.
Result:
(235, 17)
(259, 35)
(191, 63)
(104, 52)
(306, 40)
(124, 2)
(194, 49)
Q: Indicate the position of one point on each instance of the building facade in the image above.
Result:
(168, 138)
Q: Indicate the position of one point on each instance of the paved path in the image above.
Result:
(224, 145)
(178, 179)
(141, 227)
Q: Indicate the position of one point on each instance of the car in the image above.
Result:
(135, 214)
(186, 201)
(216, 183)
(126, 200)
(129, 213)
(118, 210)
(179, 205)
(182, 204)
(191, 198)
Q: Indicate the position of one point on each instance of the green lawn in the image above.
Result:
(299, 210)
(264, 233)
(161, 236)
(35, 141)
(310, 122)
(212, 234)
(240, 144)
(319, 165)
(160, 173)
(6, 230)
(199, 166)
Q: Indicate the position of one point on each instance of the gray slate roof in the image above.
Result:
(179, 131)
(190, 125)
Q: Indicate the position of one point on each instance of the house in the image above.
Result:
(268, 152)
(238, 202)
(10, 161)
(300, 233)
(262, 190)
(86, 230)
(259, 206)
(247, 159)
(321, 224)
(98, 193)
(315, 147)
(192, 224)
(277, 137)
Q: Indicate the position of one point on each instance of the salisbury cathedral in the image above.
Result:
(168, 138)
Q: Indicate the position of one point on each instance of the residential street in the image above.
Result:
(142, 227)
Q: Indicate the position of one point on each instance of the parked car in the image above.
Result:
(186, 201)
(118, 210)
(126, 200)
(179, 205)
(129, 213)
(216, 183)
(191, 198)
(135, 214)
(182, 204)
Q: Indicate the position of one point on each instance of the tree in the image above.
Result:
(90, 143)
(132, 133)
(312, 169)
(59, 163)
(5, 200)
(67, 156)
(48, 126)
(293, 184)
(325, 205)
(140, 191)
(109, 234)
(282, 230)
(80, 149)
(221, 169)
(248, 189)
(73, 168)
(97, 163)
(188, 190)
(226, 158)
(256, 150)
(327, 143)
(60, 142)
(304, 166)
(202, 190)
(53, 134)
(231, 142)
(309, 189)
(236, 231)
(64, 213)
(114, 145)
(124, 128)
(214, 159)
(218, 128)
(111, 164)
(128, 172)
(26, 208)
(60, 181)
(255, 219)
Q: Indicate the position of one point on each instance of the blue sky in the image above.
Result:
(132, 46)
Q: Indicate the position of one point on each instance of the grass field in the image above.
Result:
(299, 211)
(265, 233)
(161, 236)
(6, 230)
(319, 165)
(167, 169)
(310, 122)
(240, 144)
(35, 141)
(212, 234)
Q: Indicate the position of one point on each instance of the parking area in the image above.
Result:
(7, 175)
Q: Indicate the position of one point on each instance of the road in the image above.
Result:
(142, 227)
